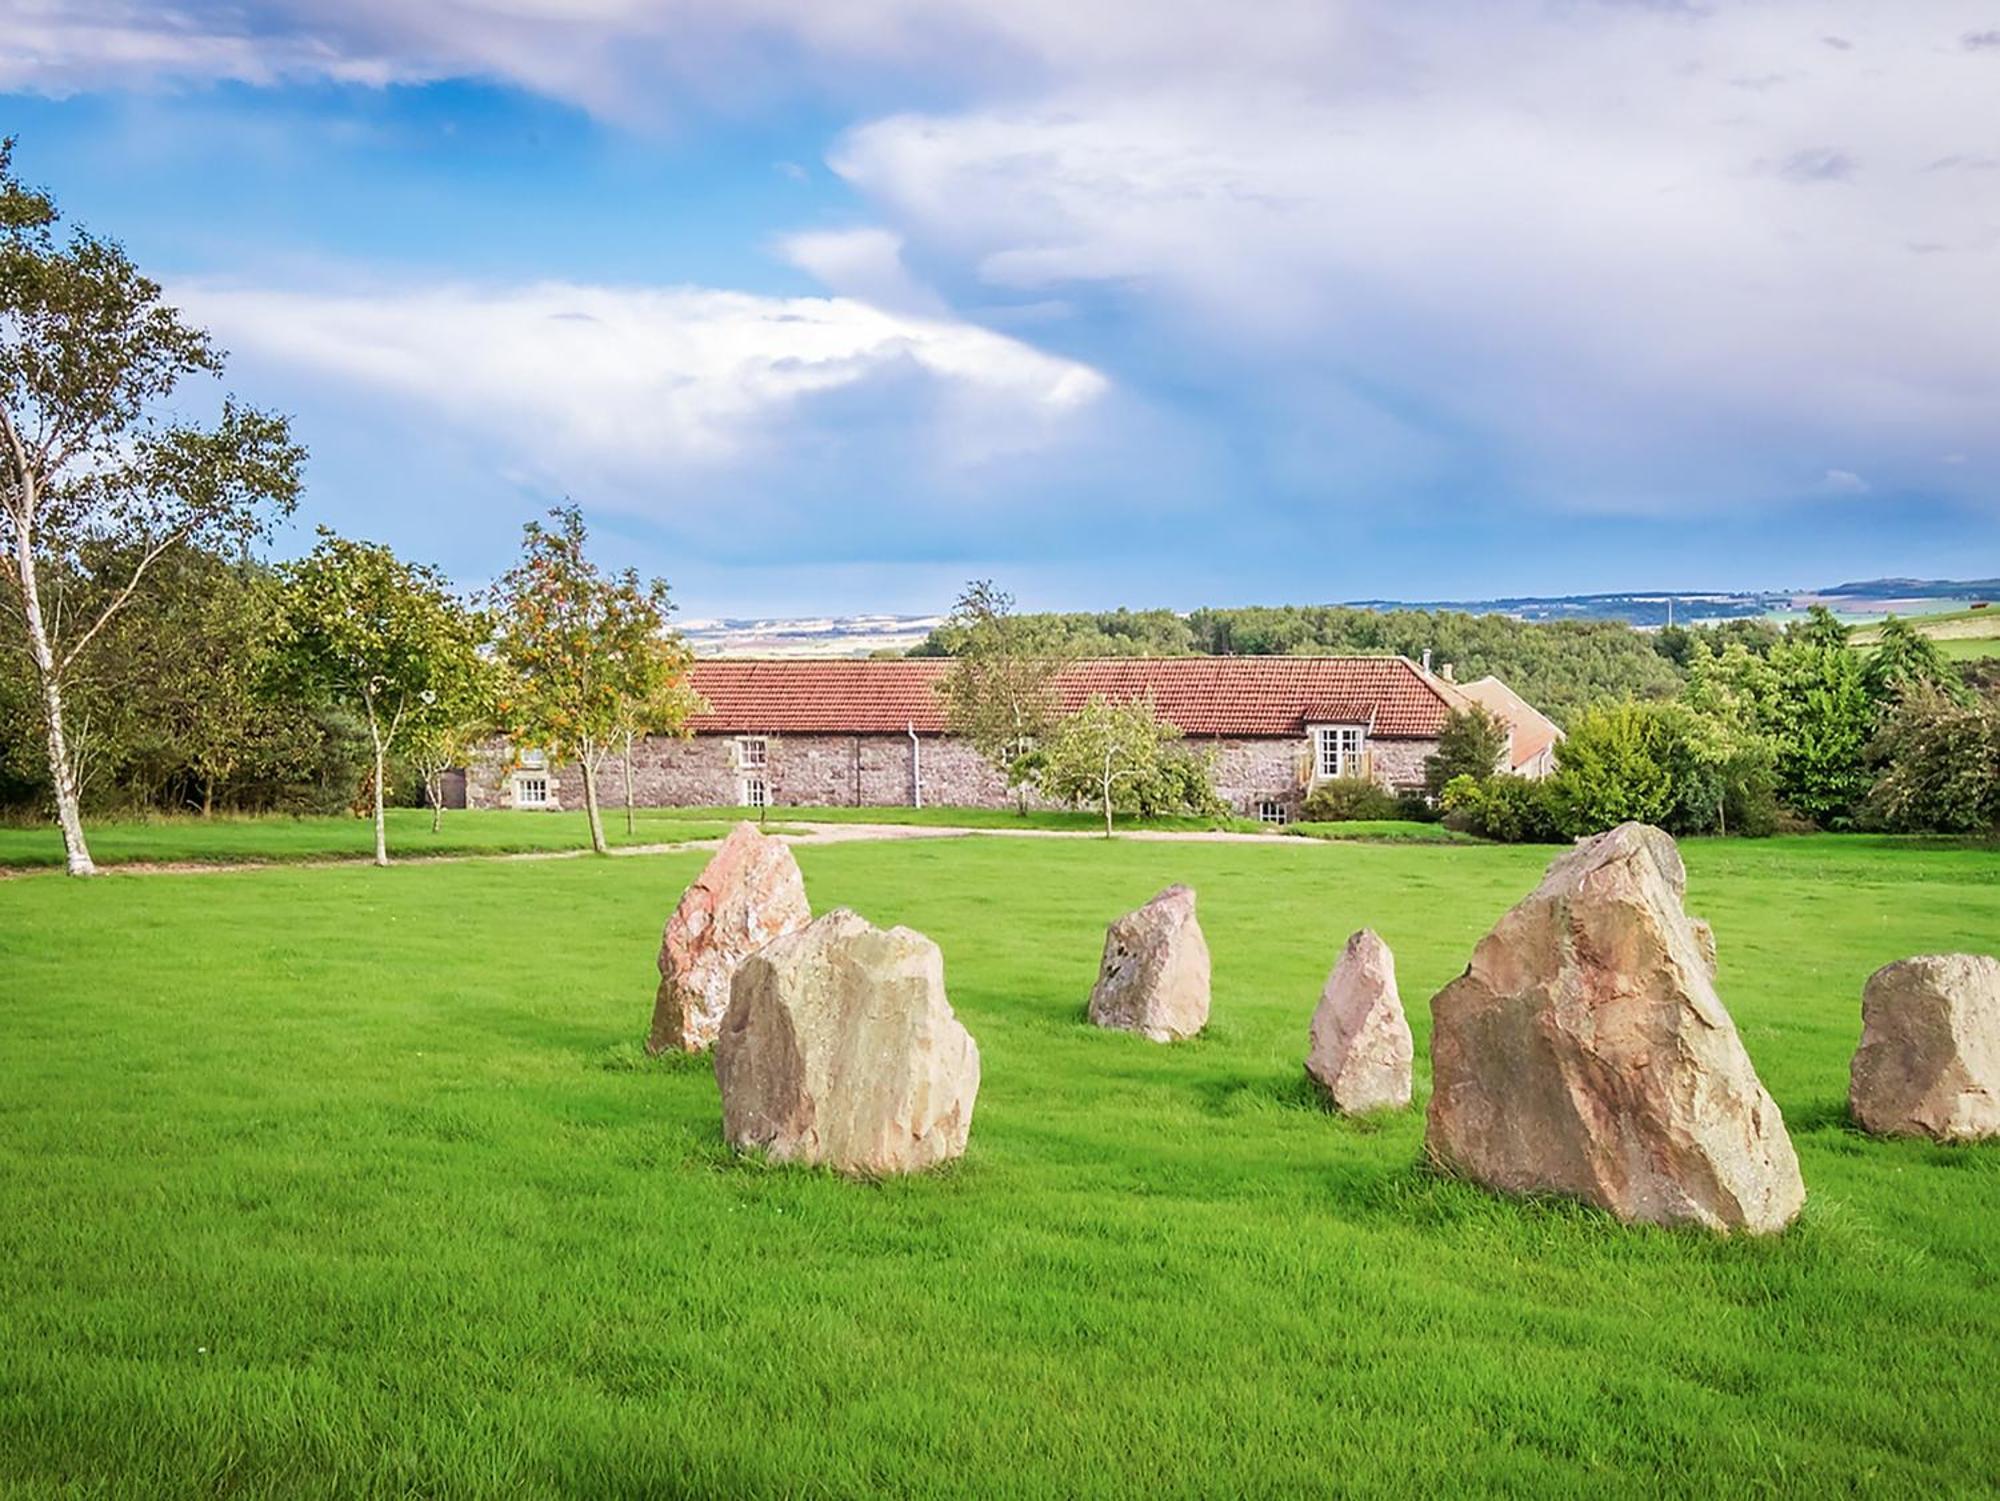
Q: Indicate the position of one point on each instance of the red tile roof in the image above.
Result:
(1202, 696)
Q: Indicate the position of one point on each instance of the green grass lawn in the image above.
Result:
(345, 1182)
(224, 840)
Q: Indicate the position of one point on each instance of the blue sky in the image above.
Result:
(828, 308)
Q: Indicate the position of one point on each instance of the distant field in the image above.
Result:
(1961, 634)
(339, 1182)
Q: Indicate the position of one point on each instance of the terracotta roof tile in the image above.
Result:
(1202, 696)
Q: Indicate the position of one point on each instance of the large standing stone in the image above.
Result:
(1929, 1060)
(840, 1048)
(1154, 978)
(1584, 1052)
(748, 894)
(1360, 1043)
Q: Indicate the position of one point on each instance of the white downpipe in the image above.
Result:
(916, 766)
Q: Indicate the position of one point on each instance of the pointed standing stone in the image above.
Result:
(1154, 976)
(1584, 1052)
(1929, 1060)
(1360, 1044)
(840, 1048)
(748, 894)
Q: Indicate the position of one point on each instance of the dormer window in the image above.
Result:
(1337, 750)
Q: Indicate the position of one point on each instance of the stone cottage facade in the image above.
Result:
(824, 733)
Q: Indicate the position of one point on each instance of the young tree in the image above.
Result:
(1000, 693)
(87, 353)
(1102, 751)
(581, 647)
(1472, 743)
(448, 721)
(661, 703)
(360, 626)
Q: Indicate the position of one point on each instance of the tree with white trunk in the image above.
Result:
(88, 355)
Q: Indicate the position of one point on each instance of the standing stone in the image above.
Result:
(1154, 978)
(1929, 1060)
(1584, 1052)
(750, 893)
(1360, 1046)
(840, 1048)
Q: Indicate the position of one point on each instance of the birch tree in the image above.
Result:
(88, 353)
(360, 626)
(580, 647)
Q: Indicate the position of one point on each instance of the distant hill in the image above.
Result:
(1893, 589)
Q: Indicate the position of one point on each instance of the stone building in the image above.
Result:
(825, 732)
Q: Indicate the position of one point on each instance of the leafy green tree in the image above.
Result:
(1472, 743)
(358, 625)
(1000, 692)
(1820, 720)
(581, 648)
(1820, 627)
(1941, 764)
(1102, 752)
(88, 354)
(1904, 656)
(1615, 764)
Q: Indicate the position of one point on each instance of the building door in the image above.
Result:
(451, 787)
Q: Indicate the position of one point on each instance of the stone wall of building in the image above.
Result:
(875, 771)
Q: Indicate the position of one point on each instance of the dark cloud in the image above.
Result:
(1980, 41)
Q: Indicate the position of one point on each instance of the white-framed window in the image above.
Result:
(1337, 749)
(531, 792)
(534, 760)
(1271, 811)
(756, 793)
(753, 752)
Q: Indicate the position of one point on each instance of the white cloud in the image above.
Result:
(632, 381)
(863, 263)
(1573, 235)
(1844, 482)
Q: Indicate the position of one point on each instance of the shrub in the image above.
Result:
(1183, 782)
(1514, 810)
(1348, 799)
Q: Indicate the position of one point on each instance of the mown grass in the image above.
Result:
(339, 1182)
(226, 840)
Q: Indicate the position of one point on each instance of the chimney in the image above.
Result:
(1448, 674)
(1427, 659)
